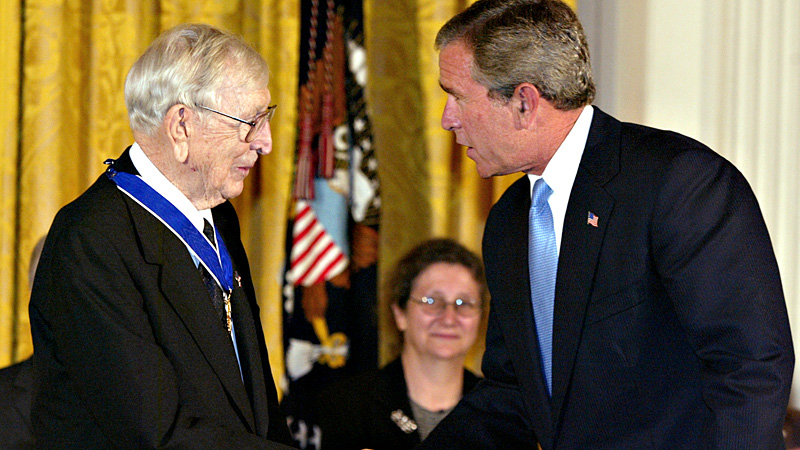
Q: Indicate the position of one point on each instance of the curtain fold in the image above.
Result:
(10, 26)
(266, 205)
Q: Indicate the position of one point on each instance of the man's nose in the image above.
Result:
(450, 119)
(263, 141)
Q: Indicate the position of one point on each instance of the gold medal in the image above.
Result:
(228, 320)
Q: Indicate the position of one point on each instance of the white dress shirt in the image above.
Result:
(150, 174)
(563, 167)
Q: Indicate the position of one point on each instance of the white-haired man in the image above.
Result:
(144, 319)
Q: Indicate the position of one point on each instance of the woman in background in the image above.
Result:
(437, 294)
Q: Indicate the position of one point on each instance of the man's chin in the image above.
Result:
(484, 172)
(232, 192)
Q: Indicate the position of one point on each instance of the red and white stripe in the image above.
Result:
(315, 257)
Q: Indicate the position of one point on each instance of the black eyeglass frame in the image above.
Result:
(255, 126)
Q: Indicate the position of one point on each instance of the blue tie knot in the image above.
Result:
(541, 192)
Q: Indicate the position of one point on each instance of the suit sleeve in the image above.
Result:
(98, 357)
(715, 259)
(341, 413)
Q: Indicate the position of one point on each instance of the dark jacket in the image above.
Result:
(670, 326)
(15, 406)
(129, 351)
(356, 413)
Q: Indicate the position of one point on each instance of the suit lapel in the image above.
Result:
(580, 247)
(246, 316)
(249, 356)
(515, 312)
(183, 288)
(393, 396)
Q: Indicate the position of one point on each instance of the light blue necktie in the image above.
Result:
(542, 263)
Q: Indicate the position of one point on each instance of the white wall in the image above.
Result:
(726, 72)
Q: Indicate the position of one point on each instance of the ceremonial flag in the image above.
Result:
(330, 290)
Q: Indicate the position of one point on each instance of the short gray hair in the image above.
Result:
(189, 64)
(517, 41)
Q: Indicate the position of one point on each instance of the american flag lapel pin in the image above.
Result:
(592, 220)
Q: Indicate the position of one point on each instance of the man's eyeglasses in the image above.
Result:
(435, 306)
(255, 126)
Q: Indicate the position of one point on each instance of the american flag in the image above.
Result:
(592, 220)
(315, 256)
(330, 291)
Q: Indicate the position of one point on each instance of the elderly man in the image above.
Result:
(145, 324)
(636, 300)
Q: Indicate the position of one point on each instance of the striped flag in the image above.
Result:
(592, 219)
(314, 257)
(330, 290)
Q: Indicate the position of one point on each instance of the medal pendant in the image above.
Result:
(228, 320)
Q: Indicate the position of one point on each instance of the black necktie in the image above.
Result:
(213, 288)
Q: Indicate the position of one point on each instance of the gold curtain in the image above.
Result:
(64, 64)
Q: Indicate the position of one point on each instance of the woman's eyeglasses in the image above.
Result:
(435, 306)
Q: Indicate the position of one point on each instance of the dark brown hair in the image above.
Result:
(401, 280)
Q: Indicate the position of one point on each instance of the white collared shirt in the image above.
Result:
(563, 167)
(150, 174)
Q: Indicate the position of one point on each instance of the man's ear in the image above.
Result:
(179, 129)
(526, 104)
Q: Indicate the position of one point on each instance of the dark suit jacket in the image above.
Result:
(670, 327)
(356, 413)
(15, 406)
(129, 351)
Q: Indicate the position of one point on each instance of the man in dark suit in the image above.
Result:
(16, 384)
(15, 406)
(661, 321)
(145, 323)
